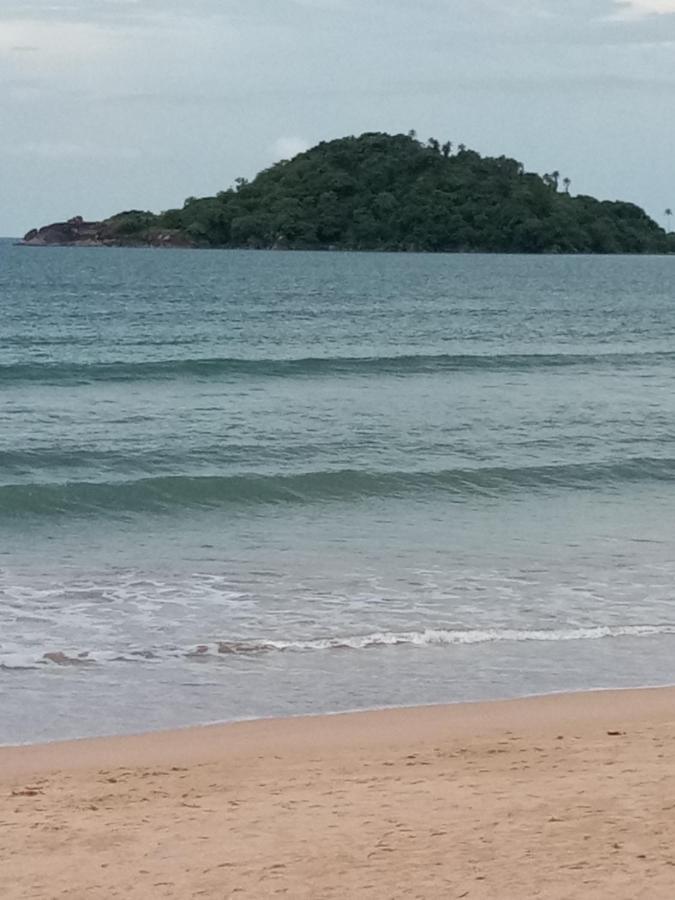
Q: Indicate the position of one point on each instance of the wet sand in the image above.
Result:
(571, 796)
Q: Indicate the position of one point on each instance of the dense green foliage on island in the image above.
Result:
(383, 192)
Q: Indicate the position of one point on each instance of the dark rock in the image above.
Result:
(76, 232)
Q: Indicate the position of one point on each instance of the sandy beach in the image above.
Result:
(571, 796)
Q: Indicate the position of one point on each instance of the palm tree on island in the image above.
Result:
(669, 215)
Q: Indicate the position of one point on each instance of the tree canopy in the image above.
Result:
(396, 193)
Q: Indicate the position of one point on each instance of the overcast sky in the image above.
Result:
(114, 104)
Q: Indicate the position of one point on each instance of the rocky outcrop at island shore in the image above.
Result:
(76, 232)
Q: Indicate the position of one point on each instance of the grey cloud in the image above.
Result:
(581, 22)
(525, 12)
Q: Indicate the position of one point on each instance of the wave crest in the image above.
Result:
(219, 367)
(166, 493)
(428, 637)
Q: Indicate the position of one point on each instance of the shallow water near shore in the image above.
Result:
(248, 484)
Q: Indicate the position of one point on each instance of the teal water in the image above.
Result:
(244, 484)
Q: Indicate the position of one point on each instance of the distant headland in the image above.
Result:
(384, 192)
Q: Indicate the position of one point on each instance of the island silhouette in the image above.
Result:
(388, 193)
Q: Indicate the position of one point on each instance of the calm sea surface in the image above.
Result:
(250, 484)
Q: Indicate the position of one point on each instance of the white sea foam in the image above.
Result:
(429, 637)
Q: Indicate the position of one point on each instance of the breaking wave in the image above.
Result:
(428, 637)
(166, 493)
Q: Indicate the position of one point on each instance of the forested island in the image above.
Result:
(385, 192)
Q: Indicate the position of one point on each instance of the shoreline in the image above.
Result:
(562, 795)
(631, 254)
(309, 717)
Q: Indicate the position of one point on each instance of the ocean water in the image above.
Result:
(249, 484)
